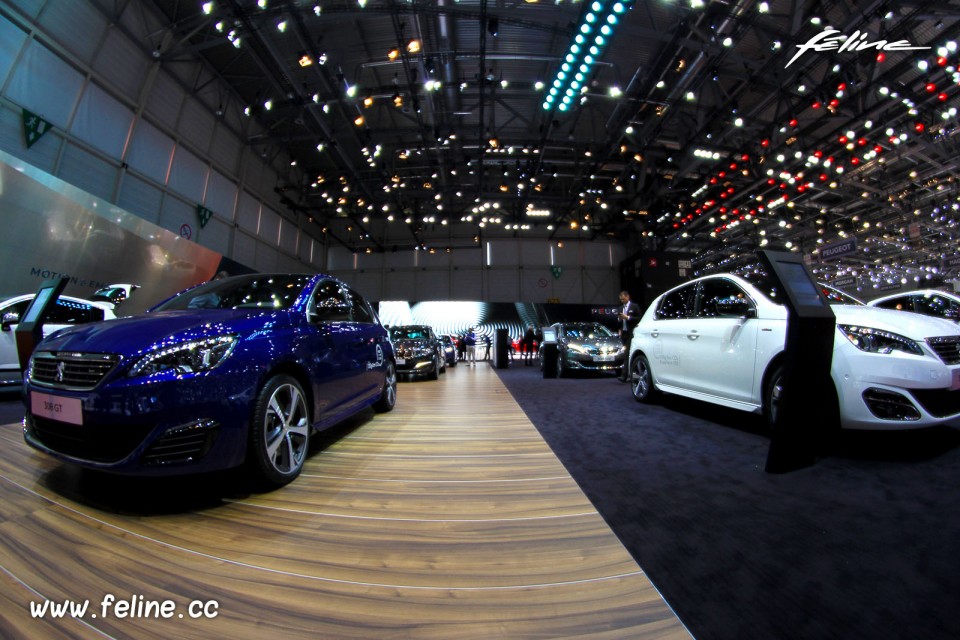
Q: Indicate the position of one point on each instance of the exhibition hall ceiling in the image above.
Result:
(715, 128)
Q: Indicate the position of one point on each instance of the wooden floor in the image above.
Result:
(446, 518)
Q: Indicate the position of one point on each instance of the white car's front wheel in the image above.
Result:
(641, 379)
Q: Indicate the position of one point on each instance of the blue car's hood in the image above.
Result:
(136, 334)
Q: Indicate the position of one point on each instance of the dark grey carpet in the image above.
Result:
(864, 544)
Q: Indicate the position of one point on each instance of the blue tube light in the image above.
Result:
(585, 50)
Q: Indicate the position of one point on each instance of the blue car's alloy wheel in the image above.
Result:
(280, 431)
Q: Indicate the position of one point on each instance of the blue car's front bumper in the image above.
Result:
(171, 426)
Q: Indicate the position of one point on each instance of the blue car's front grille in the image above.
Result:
(74, 371)
(92, 442)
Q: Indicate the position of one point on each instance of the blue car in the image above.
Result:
(236, 371)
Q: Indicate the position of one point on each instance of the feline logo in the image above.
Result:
(826, 40)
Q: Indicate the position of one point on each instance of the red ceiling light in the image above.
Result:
(881, 56)
(931, 87)
(919, 127)
(794, 122)
(764, 143)
(843, 140)
(942, 97)
(942, 61)
(862, 141)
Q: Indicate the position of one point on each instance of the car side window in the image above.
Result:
(332, 301)
(69, 312)
(361, 308)
(676, 305)
(720, 297)
(935, 305)
(900, 303)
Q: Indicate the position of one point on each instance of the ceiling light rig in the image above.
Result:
(596, 27)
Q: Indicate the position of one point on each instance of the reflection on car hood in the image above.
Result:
(136, 334)
(611, 341)
(410, 342)
(906, 323)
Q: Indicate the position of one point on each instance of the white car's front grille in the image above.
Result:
(947, 348)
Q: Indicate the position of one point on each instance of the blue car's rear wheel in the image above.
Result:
(279, 432)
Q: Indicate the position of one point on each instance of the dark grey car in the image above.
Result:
(418, 350)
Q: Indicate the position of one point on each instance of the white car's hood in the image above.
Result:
(905, 323)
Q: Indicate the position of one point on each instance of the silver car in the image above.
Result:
(586, 346)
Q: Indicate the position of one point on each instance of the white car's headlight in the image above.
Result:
(187, 357)
(878, 341)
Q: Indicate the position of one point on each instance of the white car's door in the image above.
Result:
(667, 337)
(721, 341)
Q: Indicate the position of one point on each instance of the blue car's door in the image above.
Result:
(343, 349)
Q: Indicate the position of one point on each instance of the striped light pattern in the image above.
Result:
(593, 33)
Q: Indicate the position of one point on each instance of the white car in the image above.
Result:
(721, 339)
(929, 302)
(68, 311)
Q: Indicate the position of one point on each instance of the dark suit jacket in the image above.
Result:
(633, 317)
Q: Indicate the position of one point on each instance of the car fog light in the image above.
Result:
(889, 405)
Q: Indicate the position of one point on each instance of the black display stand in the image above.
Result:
(29, 330)
(805, 409)
(501, 342)
(550, 353)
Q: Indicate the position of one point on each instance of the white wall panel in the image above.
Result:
(244, 248)
(121, 63)
(221, 195)
(339, 259)
(502, 253)
(305, 249)
(45, 84)
(368, 285)
(468, 257)
(248, 212)
(150, 151)
(399, 285)
(289, 234)
(597, 254)
(89, 172)
(535, 252)
(78, 26)
(503, 285)
(188, 175)
(466, 284)
(289, 264)
(269, 230)
(266, 259)
(174, 213)
(102, 121)
(371, 261)
(434, 285)
(536, 285)
(399, 259)
(164, 99)
(140, 197)
(31, 7)
(225, 149)
(11, 41)
(568, 255)
(214, 236)
(599, 286)
(196, 125)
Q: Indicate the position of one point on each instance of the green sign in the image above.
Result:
(34, 127)
(556, 271)
(204, 214)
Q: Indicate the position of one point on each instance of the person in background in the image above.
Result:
(470, 340)
(527, 345)
(486, 346)
(628, 317)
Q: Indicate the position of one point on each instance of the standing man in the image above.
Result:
(628, 317)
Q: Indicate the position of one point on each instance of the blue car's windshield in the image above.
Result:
(257, 291)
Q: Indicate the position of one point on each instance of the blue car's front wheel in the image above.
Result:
(279, 432)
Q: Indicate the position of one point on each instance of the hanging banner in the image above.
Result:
(34, 127)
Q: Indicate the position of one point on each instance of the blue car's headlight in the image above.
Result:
(878, 341)
(187, 357)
